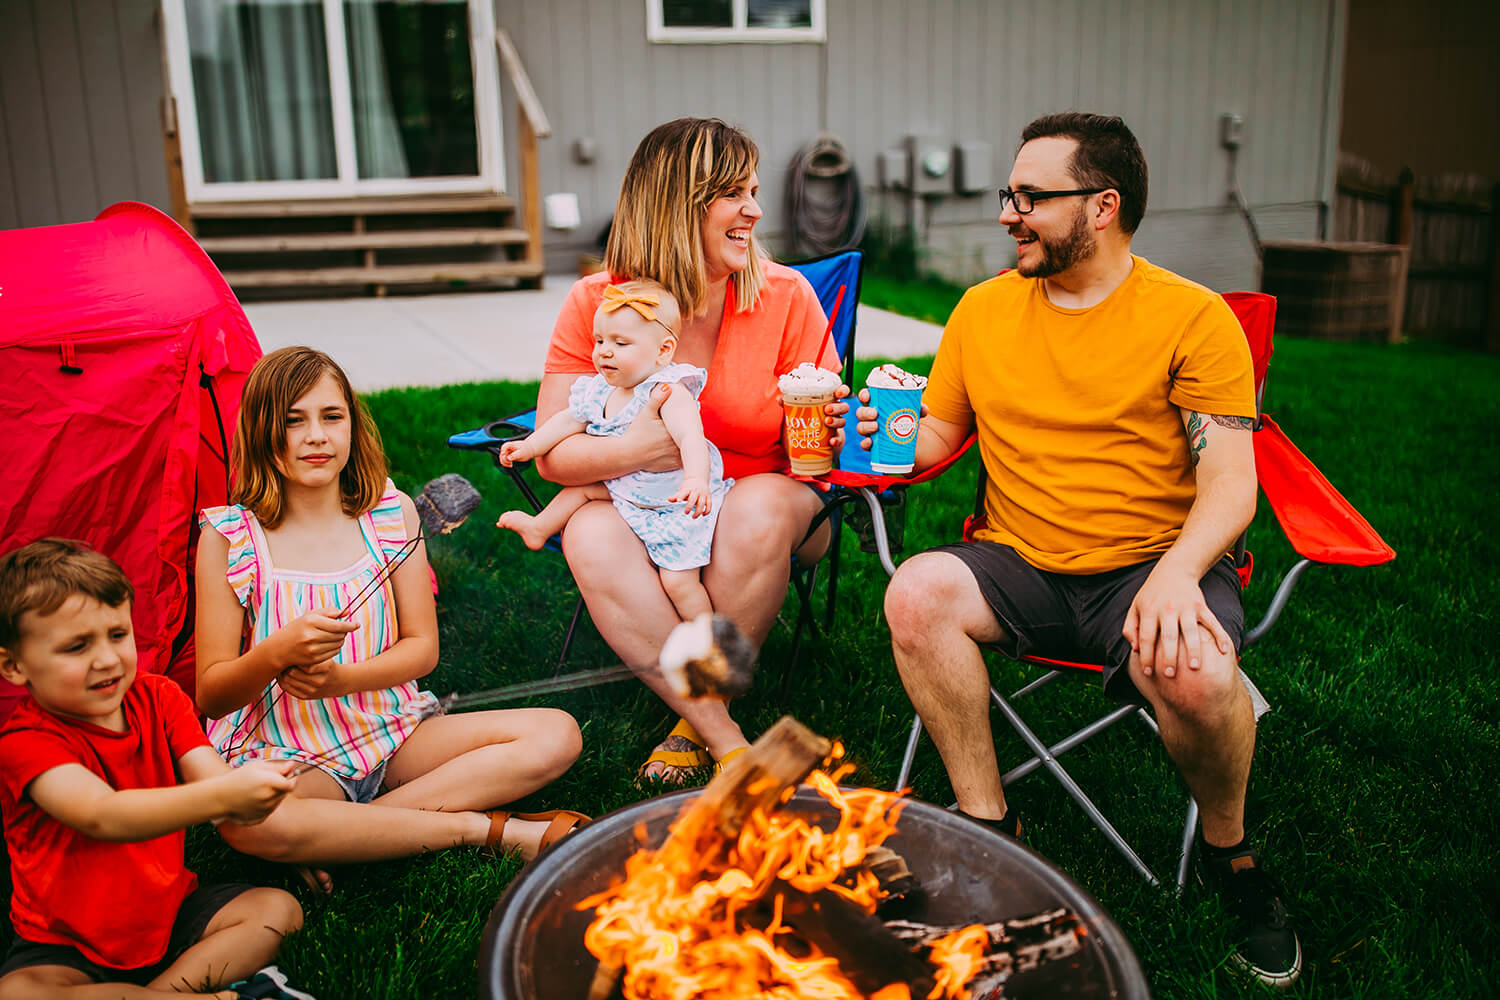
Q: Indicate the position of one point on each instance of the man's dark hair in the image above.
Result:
(1107, 156)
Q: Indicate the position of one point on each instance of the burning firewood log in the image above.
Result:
(867, 952)
(760, 778)
(744, 898)
(1012, 946)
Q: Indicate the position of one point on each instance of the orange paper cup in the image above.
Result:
(808, 437)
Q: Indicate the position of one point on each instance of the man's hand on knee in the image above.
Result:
(1164, 621)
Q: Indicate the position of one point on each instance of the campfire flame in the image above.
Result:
(701, 918)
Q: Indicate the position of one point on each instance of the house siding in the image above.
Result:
(80, 86)
(968, 70)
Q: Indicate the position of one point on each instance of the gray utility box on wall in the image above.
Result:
(931, 164)
(972, 163)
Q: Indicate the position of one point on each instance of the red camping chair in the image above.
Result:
(1320, 524)
(124, 353)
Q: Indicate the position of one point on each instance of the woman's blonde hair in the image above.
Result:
(676, 173)
(275, 384)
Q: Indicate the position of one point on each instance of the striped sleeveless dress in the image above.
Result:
(349, 735)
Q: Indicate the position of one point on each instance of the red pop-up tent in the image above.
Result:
(123, 354)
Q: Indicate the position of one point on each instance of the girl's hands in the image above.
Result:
(695, 492)
(253, 790)
(328, 679)
(312, 639)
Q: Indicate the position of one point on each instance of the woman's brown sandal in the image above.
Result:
(560, 823)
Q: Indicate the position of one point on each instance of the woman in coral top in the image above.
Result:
(686, 218)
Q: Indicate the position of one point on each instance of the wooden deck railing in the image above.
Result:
(534, 126)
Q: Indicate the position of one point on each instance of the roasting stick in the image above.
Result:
(262, 706)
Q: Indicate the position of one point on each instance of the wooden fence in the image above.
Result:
(1452, 226)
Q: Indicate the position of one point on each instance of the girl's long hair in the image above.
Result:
(676, 172)
(276, 382)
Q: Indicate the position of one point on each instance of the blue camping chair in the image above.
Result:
(835, 278)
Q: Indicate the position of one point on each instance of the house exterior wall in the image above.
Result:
(80, 87)
(80, 92)
(969, 70)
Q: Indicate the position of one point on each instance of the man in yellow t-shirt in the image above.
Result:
(1114, 403)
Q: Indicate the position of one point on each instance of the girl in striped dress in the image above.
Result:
(293, 664)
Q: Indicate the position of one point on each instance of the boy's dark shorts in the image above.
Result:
(1079, 618)
(192, 920)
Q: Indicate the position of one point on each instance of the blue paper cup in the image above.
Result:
(893, 447)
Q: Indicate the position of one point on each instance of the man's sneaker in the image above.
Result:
(1268, 948)
(269, 984)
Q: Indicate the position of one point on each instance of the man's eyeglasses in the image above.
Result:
(1025, 201)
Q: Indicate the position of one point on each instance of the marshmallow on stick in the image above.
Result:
(707, 656)
(445, 503)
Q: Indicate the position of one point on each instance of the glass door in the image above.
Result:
(331, 98)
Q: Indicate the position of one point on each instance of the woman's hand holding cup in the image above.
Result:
(813, 429)
(835, 412)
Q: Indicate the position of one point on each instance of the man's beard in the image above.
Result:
(1059, 255)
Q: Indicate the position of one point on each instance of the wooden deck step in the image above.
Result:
(403, 205)
(386, 274)
(395, 239)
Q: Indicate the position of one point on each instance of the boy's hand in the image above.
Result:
(254, 789)
(515, 451)
(313, 638)
(328, 679)
(695, 493)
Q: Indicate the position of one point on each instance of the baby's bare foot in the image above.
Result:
(524, 525)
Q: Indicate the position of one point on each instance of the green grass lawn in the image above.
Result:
(1368, 794)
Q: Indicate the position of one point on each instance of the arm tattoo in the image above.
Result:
(1197, 432)
(1236, 423)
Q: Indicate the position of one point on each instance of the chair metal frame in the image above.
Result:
(1321, 525)
(836, 271)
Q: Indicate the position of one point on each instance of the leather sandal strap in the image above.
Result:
(498, 819)
(562, 824)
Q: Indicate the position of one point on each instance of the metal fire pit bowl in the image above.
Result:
(532, 947)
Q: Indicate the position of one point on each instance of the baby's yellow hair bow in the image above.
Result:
(616, 298)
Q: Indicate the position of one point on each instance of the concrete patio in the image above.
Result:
(441, 339)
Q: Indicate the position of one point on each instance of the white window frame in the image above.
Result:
(348, 183)
(657, 31)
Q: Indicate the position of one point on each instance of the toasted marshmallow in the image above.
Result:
(707, 656)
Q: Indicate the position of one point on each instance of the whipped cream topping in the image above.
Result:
(894, 377)
(808, 377)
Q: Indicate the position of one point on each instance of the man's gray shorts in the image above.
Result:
(1079, 618)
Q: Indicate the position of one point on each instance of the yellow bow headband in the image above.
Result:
(615, 298)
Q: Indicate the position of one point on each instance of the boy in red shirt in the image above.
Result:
(100, 773)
